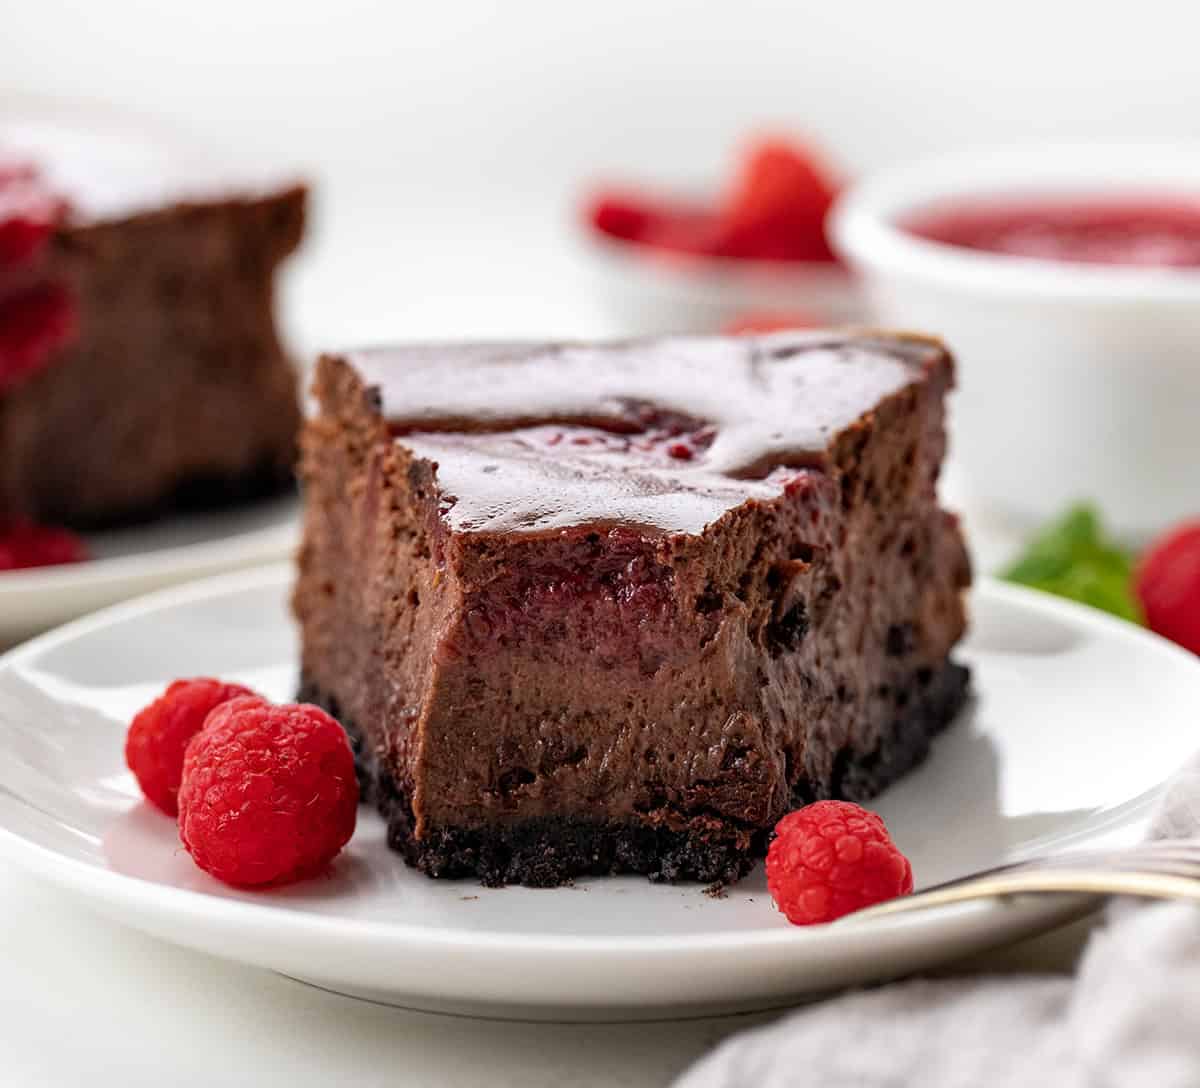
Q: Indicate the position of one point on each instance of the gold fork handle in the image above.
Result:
(1080, 881)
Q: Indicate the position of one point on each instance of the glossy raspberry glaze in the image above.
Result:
(665, 436)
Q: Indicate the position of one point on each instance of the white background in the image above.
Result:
(449, 140)
(524, 97)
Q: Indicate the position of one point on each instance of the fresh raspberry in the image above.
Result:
(269, 793)
(754, 323)
(776, 209)
(831, 858)
(1167, 583)
(158, 736)
(24, 544)
(684, 228)
(675, 225)
(621, 215)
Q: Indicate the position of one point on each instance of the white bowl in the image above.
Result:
(1076, 381)
(651, 291)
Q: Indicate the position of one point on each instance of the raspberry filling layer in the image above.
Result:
(37, 314)
(34, 323)
(602, 590)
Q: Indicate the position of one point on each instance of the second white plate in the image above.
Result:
(133, 561)
(1077, 723)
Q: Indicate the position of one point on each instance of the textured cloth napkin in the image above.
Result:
(1130, 1018)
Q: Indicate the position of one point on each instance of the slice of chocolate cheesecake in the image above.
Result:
(618, 607)
(140, 367)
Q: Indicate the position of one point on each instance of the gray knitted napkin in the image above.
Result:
(1131, 1017)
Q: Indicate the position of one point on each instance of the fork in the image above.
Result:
(1158, 869)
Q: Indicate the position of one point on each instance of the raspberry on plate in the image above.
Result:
(269, 793)
(832, 858)
(159, 734)
(1168, 585)
(24, 544)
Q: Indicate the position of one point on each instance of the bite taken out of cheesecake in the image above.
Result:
(618, 607)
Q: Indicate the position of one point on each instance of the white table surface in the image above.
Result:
(86, 1002)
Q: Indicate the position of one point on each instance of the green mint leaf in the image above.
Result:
(1074, 558)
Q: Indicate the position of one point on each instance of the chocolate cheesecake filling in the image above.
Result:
(618, 607)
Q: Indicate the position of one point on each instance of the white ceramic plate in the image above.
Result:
(1078, 721)
(136, 560)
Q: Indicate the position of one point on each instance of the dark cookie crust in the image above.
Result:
(548, 852)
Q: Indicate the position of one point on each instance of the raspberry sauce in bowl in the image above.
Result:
(1066, 279)
(1141, 232)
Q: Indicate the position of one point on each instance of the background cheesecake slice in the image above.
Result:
(140, 366)
(618, 607)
